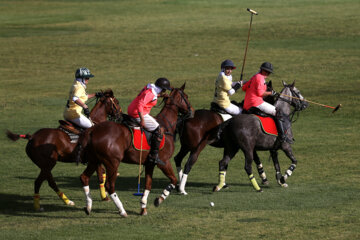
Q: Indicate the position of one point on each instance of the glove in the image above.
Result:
(99, 94)
(237, 86)
(87, 112)
(274, 94)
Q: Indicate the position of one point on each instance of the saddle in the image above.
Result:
(70, 127)
(136, 132)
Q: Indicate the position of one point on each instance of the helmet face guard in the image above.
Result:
(83, 73)
(163, 83)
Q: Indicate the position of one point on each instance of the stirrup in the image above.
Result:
(155, 160)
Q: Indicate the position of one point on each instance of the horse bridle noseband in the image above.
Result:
(298, 105)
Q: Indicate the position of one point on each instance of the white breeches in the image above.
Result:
(267, 108)
(82, 121)
(150, 123)
(233, 109)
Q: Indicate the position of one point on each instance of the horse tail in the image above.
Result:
(14, 137)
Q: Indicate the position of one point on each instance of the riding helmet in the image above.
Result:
(163, 83)
(83, 73)
(227, 63)
(266, 66)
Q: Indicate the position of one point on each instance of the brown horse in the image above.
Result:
(110, 143)
(49, 145)
(196, 133)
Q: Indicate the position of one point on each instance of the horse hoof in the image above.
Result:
(107, 199)
(216, 189)
(87, 210)
(158, 201)
(182, 192)
(265, 182)
(260, 190)
(123, 214)
(143, 212)
(284, 185)
(70, 203)
(41, 209)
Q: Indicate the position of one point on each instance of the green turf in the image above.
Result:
(127, 44)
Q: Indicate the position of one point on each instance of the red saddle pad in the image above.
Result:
(268, 125)
(145, 144)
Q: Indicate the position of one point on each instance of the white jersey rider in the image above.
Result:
(225, 87)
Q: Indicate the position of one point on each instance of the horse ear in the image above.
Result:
(284, 83)
(269, 85)
(293, 84)
(183, 86)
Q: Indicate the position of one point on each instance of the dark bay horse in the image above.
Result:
(195, 133)
(49, 145)
(244, 132)
(110, 143)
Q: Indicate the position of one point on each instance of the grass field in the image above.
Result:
(127, 44)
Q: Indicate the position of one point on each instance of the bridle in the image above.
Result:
(298, 105)
(181, 117)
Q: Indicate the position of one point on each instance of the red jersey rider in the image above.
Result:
(140, 109)
(255, 90)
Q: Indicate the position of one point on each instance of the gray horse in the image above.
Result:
(244, 132)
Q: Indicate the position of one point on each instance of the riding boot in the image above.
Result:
(78, 150)
(153, 156)
(279, 122)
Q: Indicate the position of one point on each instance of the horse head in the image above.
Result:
(180, 99)
(292, 95)
(110, 105)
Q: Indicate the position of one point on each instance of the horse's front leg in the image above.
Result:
(85, 178)
(194, 155)
(278, 175)
(260, 169)
(149, 169)
(168, 171)
(291, 169)
(178, 160)
(111, 171)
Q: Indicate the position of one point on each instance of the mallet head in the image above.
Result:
(336, 108)
(252, 11)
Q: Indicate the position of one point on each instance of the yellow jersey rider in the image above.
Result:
(225, 87)
(77, 100)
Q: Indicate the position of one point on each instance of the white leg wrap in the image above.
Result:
(143, 201)
(260, 165)
(88, 197)
(180, 172)
(118, 203)
(166, 192)
(183, 183)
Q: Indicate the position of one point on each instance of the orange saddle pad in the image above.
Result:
(268, 125)
(145, 144)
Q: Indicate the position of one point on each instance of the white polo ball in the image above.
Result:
(212, 204)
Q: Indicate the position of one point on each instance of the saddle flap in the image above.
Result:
(146, 136)
(268, 125)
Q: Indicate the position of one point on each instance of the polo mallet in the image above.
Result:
(141, 145)
(323, 105)
(252, 12)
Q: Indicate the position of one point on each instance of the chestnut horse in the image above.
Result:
(110, 143)
(49, 145)
(196, 133)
